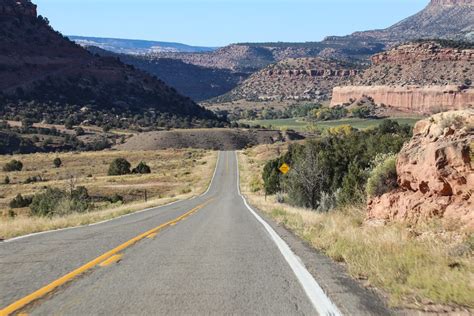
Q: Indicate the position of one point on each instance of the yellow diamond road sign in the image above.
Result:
(284, 168)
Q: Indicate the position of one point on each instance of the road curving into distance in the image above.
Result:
(209, 255)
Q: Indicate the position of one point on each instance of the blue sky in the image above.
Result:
(220, 22)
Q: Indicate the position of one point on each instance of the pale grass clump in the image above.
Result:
(411, 266)
(22, 225)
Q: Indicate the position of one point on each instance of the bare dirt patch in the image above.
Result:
(218, 139)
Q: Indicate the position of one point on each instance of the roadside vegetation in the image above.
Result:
(333, 170)
(61, 190)
(423, 267)
(301, 125)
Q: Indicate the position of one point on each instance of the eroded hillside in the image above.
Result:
(46, 77)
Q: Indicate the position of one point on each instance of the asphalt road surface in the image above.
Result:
(208, 255)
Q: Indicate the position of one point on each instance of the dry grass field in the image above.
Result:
(176, 174)
(422, 268)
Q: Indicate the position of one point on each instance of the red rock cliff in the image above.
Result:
(419, 99)
(423, 52)
(419, 77)
(435, 174)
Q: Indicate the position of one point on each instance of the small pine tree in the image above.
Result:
(19, 201)
(119, 166)
(142, 168)
(7, 180)
(80, 131)
(353, 190)
(57, 162)
(14, 165)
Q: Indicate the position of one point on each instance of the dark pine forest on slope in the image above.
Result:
(44, 77)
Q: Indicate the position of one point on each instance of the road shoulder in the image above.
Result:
(351, 297)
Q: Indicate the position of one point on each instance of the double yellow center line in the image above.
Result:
(101, 259)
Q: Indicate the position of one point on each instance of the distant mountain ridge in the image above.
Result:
(441, 19)
(197, 82)
(136, 47)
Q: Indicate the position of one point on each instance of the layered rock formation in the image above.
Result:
(424, 77)
(412, 99)
(310, 79)
(423, 52)
(435, 174)
(446, 19)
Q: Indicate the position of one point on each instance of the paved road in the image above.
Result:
(219, 260)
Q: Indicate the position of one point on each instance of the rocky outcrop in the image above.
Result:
(416, 99)
(423, 77)
(451, 2)
(308, 79)
(423, 52)
(17, 8)
(435, 175)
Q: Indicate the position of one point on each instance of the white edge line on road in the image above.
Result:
(122, 216)
(315, 293)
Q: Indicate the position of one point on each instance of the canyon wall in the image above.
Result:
(427, 52)
(419, 99)
(422, 77)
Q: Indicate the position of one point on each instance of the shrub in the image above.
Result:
(119, 166)
(328, 201)
(44, 204)
(306, 181)
(58, 202)
(57, 162)
(7, 180)
(80, 131)
(116, 198)
(383, 178)
(69, 124)
(13, 165)
(353, 186)
(33, 179)
(19, 201)
(141, 168)
(335, 165)
(271, 177)
(255, 184)
(106, 128)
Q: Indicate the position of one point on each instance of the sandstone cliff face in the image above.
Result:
(435, 174)
(418, 77)
(416, 99)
